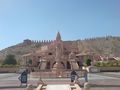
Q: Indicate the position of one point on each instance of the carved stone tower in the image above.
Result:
(58, 66)
(58, 38)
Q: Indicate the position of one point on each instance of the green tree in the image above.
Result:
(30, 61)
(88, 62)
(10, 60)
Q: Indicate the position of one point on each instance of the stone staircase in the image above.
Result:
(59, 87)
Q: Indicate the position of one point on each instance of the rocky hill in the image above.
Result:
(108, 46)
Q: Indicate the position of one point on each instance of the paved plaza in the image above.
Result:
(98, 81)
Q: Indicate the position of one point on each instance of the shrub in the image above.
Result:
(10, 60)
(9, 66)
(97, 64)
(107, 64)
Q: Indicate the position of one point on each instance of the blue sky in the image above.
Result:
(42, 19)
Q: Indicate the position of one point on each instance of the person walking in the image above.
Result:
(23, 77)
(86, 76)
(74, 76)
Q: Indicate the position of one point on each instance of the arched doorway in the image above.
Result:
(68, 65)
(63, 65)
(80, 64)
(60, 65)
(48, 65)
(53, 64)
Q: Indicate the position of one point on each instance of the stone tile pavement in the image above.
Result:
(98, 81)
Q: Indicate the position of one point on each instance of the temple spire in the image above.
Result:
(58, 38)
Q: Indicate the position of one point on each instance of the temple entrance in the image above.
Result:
(58, 65)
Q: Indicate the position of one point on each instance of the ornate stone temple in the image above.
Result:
(57, 56)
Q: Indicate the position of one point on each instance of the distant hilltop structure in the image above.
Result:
(40, 42)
